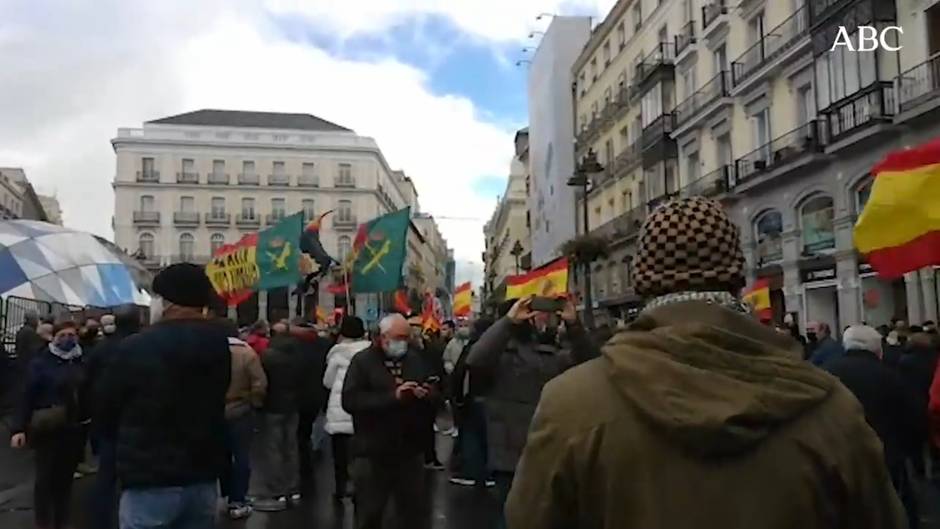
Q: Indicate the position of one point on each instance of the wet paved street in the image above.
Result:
(452, 507)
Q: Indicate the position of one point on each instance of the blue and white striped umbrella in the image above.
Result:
(47, 262)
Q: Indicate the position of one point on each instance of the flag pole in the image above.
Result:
(349, 303)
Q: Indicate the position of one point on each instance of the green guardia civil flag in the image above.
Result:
(378, 253)
(278, 253)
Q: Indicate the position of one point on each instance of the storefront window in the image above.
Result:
(769, 234)
(816, 217)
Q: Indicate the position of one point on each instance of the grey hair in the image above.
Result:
(386, 323)
(862, 337)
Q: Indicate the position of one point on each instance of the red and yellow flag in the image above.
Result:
(899, 229)
(758, 297)
(401, 302)
(463, 300)
(550, 281)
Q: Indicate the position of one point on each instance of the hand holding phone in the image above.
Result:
(549, 305)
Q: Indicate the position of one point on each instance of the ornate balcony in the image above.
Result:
(282, 180)
(622, 227)
(919, 86)
(684, 40)
(714, 17)
(186, 218)
(187, 177)
(148, 176)
(711, 184)
(345, 182)
(660, 62)
(658, 144)
(780, 151)
(218, 219)
(872, 105)
(146, 217)
(772, 48)
(273, 218)
(250, 221)
(217, 179)
(249, 179)
(306, 180)
(344, 222)
(689, 111)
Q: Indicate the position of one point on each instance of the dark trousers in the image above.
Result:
(472, 440)
(57, 456)
(400, 478)
(430, 453)
(304, 446)
(237, 473)
(104, 497)
(340, 442)
(503, 485)
(277, 455)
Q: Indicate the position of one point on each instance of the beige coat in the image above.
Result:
(249, 383)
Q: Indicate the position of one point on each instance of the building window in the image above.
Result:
(841, 73)
(606, 54)
(218, 207)
(345, 174)
(187, 204)
(278, 168)
(147, 203)
(145, 245)
(692, 168)
(278, 208)
(760, 128)
(805, 105)
(621, 36)
(309, 174)
(816, 219)
(651, 106)
(147, 168)
(755, 28)
(720, 59)
(583, 84)
(309, 209)
(345, 210)
(769, 234)
(688, 11)
(248, 208)
(688, 81)
(216, 241)
(344, 246)
(189, 166)
(609, 153)
(187, 247)
(594, 69)
(637, 14)
(861, 196)
(218, 167)
(248, 167)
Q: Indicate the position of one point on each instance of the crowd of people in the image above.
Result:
(694, 414)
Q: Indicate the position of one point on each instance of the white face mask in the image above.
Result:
(396, 348)
(156, 309)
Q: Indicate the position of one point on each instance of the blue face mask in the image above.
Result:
(66, 343)
(396, 348)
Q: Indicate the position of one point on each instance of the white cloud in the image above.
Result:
(496, 20)
(71, 76)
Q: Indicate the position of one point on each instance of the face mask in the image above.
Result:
(396, 348)
(156, 309)
(811, 336)
(463, 332)
(66, 343)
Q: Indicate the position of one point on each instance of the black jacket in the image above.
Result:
(96, 362)
(888, 407)
(164, 398)
(282, 365)
(52, 381)
(385, 426)
(312, 365)
(28, 344)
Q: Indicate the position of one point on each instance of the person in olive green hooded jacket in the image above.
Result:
(697, 416)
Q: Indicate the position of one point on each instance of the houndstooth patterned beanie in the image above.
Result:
(688, 245)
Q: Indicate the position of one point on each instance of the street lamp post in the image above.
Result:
(582, 178)
(516, 252)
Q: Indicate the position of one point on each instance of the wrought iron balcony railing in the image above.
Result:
(716, 88)
(802, 140)
(770, 45)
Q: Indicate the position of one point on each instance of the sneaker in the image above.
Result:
(239, 511)
(466, 482)
(87, 469)
(434, 465)
(295, 497)
(271, 504)
(490, 483)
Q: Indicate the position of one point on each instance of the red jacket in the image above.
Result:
(258, 343)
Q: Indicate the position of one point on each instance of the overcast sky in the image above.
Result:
(433, 81)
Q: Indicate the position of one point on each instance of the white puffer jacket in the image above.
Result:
(337, 361)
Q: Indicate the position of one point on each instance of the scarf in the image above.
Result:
(724, 299)
(66, 355)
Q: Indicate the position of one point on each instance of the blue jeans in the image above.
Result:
(105, 491)
(187, 507)
(237, 474)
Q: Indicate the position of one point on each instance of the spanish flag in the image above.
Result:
(899, 229)
(758, 297)
(549, 281)
(463, 300)
(401, 302)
